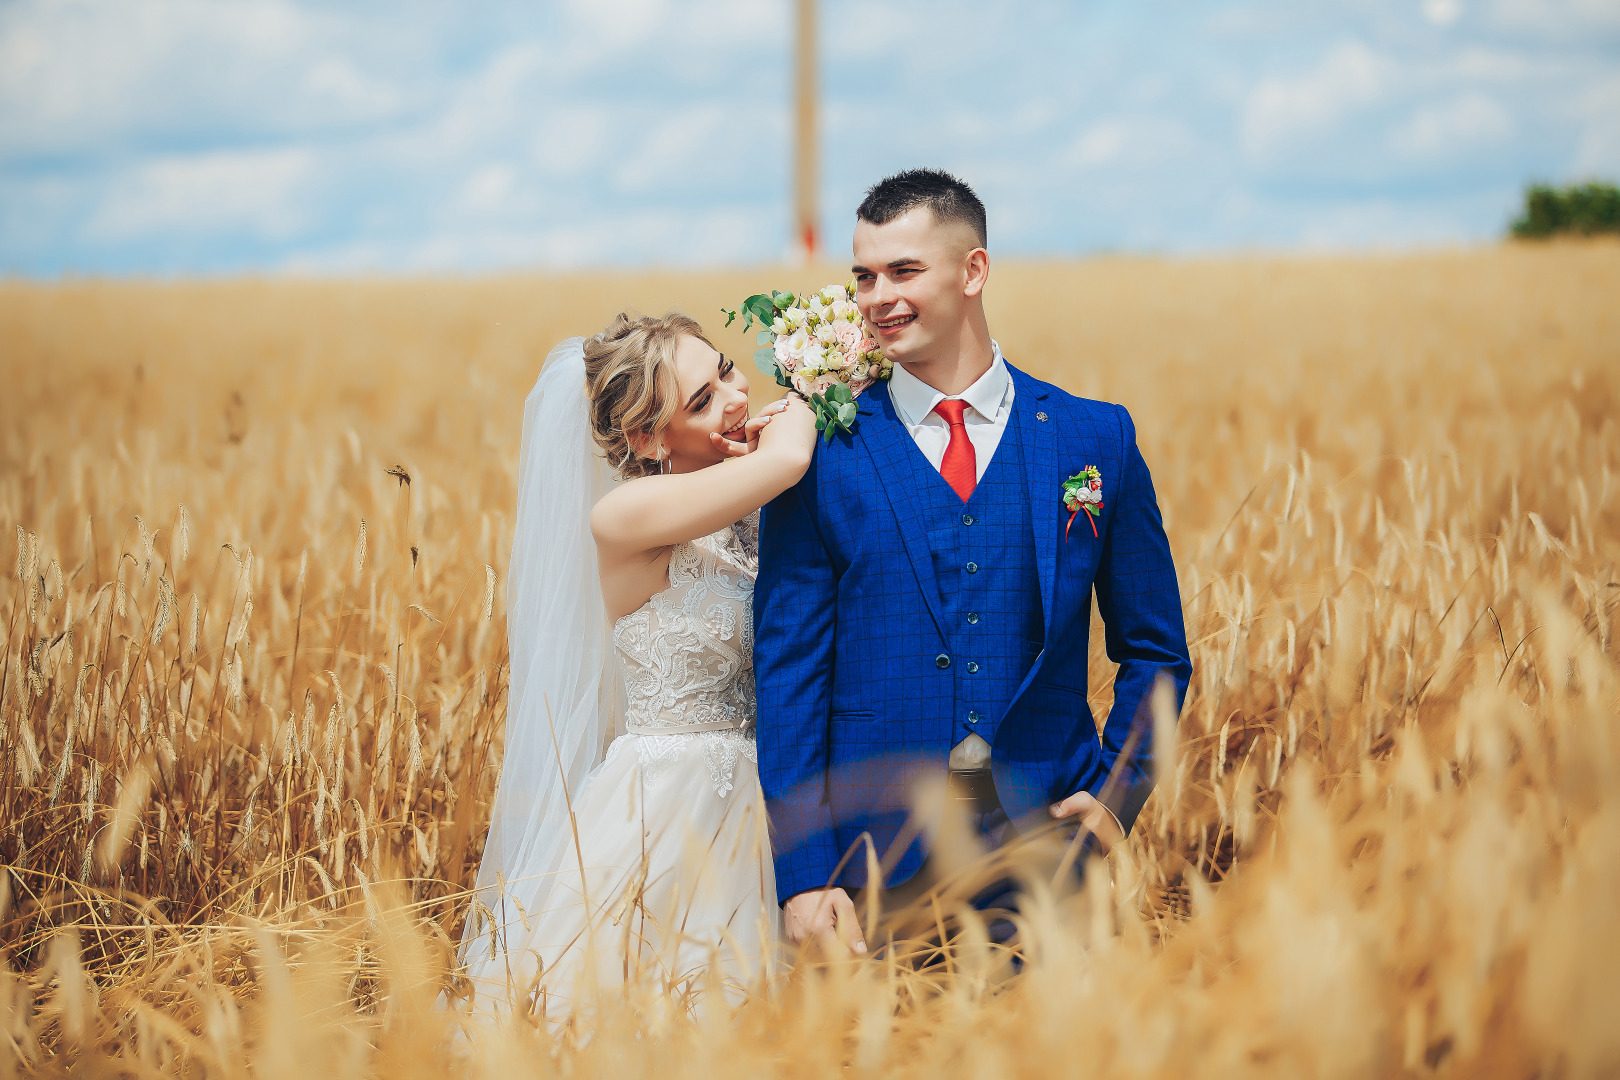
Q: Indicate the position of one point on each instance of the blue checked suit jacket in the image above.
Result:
(848, 632)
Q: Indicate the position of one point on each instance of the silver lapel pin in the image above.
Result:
(1041, 417)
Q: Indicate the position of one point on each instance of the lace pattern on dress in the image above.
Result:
(687, 655)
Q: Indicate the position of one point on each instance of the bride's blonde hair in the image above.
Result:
(630, 379)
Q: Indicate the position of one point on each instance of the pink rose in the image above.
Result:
(848, 336)
(817, 385)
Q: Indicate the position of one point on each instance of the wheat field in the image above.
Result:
(253, 681)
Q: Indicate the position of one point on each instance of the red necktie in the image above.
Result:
(960, 467)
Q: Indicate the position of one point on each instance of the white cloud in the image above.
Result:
(353, 92)
(571, 140)
(1281, 110)
(1442, 12)
(1598, 154)
(1556, 18)
(1135, 142)
(684, 147)
(1448, 129)
(490, 190)
(256, 192)
(82, 77)
(716, 238)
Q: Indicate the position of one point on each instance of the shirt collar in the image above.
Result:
(914, 399)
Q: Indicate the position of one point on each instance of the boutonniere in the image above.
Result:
(1083, 491)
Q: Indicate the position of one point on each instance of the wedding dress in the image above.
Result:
(655, 864)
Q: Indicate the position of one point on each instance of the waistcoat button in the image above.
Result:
(973, 667)
(973, 568)
(973, 718)
(973, 618)
(942, 661)
(967, 519)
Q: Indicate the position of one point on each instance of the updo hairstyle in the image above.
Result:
(630, 380)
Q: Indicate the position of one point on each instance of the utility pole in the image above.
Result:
(806, 134)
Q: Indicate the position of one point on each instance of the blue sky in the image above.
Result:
(189, 136)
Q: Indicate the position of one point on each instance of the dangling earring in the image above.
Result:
(663, 463)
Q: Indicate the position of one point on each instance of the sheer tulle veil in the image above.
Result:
(564, 703)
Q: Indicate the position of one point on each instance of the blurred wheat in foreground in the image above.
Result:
(253, 682)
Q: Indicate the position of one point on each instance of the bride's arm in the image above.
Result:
(654, 512)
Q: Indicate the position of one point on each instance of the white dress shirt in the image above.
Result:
(989, 402)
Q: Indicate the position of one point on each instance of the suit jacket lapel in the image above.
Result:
(895, 460)
(1043, 480)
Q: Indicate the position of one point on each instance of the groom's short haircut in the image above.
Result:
(949, 198)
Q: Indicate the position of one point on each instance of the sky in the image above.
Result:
(229, 136)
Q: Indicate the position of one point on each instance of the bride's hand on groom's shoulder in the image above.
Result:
(823, 915)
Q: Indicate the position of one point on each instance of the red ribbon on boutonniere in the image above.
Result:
(1083, 491)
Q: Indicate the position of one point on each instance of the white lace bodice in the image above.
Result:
(687, 654)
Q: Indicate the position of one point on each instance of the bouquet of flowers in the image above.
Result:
(815, 343)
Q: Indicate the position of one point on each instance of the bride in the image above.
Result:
(628, 836)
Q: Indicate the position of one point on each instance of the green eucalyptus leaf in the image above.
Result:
(847, 413)
(765, 360)
(765, 337)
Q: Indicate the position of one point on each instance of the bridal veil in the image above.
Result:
(564, 696)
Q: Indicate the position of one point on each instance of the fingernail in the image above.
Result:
(1055, 809)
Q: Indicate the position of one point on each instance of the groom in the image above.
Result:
(924, 593)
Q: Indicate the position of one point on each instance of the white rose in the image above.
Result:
(793, 347)
(831, 294)
(793, 317)
(826, 334)
(778, 326)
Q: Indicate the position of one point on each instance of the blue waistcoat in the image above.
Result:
(988, 588)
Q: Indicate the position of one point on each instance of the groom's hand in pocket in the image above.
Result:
(1094, 817)
(824, 915)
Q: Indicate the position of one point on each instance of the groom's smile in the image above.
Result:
(889, 327)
